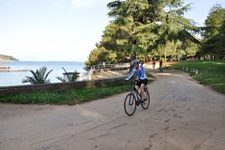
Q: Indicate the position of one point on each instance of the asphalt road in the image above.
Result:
(183, 115)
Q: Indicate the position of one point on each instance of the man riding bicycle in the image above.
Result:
(141, 78)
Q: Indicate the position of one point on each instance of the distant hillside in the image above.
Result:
(5, 57)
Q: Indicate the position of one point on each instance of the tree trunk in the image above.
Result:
(132, 57)
(165, 57)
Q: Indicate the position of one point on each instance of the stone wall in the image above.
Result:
(15, 90)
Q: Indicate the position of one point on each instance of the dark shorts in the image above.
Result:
(139, 82)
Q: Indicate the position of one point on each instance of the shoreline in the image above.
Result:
(4, 67)
(14, 70)
(7, 69)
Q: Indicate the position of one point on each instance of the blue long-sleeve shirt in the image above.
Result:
(140, 73)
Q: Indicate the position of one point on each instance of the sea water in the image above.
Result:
(16, 77)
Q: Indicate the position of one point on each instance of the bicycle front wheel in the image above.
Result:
(130, 104)
(146, 104)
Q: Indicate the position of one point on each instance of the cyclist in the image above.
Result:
(160, 65)
(141, 78)
(153, 63)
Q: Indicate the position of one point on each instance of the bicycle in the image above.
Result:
(132, 99)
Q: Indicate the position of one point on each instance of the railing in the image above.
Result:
(107, 67)
(110, 66)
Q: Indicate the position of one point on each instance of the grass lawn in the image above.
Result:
(69, 97)
(211, 73)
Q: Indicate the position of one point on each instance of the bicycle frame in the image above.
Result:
(134, 90)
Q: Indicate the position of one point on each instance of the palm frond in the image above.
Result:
(46, 76)
(68, 77)
(75, 75)
(61, 79)
(38, 77)
(29, 80)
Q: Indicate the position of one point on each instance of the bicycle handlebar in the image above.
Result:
(132, 81)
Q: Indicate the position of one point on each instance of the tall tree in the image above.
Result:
(214, 20)
(98, 56)
(139, 19)
(221, 42)
(152, 22)
(214, 32)
(141, 27)
(114, 39)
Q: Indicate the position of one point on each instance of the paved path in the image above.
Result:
(183, 115)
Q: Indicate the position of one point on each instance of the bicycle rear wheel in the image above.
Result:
(146, 104)
(130, 104)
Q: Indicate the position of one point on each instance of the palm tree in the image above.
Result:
(70, 78)
(39, 76)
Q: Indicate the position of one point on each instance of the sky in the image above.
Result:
(63, 30)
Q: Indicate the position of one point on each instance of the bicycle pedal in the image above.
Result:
(137, 103)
